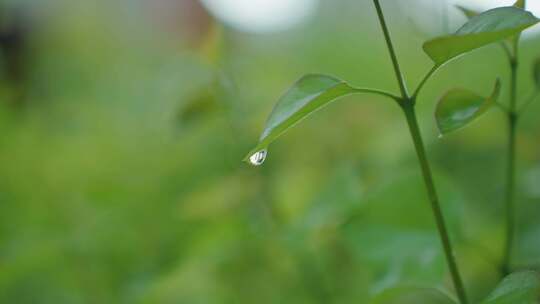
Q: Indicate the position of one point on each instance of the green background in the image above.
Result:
(121, 178)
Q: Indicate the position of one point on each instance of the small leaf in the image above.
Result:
(520, 4)
(459, 107)
(536, 73)
(469, 13)
(412, 295)
(483, 29)
(306, 96)
(517, 288)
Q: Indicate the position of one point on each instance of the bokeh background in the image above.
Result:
(123, 125)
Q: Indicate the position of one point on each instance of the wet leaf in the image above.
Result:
(306, 96)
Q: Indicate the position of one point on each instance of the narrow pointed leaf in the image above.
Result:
(459, 107)
(469, 13)
(520, 4)
(517, 288)
(488, 27)
(306, 96)
(412, 295)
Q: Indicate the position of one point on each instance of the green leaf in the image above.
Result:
(488, 27)
(412, 295)
(469, 13)
(536, 73)
(517, 288)
(459, 107)
(306, 96)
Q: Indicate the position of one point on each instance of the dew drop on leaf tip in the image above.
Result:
(258, 158)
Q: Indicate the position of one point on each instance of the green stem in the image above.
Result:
(377, 92)
(399, 75)
(509, 197)
(424, 80)
(407, 103)
(507, 51)
(434, 200)
(513, 81)
(510, 169)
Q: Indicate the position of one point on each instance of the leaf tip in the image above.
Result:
(248, 155)
(256, 156)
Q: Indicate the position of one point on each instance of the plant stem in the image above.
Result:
(424, 80)
(510, 169)
(399, 75)
(407, 103)
(513, 75)
(412, 122)
(509, 197)
(379, 92)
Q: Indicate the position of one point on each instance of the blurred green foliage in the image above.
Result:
(121, 178)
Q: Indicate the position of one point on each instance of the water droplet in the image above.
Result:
(258, 158)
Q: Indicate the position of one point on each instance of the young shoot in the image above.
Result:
(459, 107)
